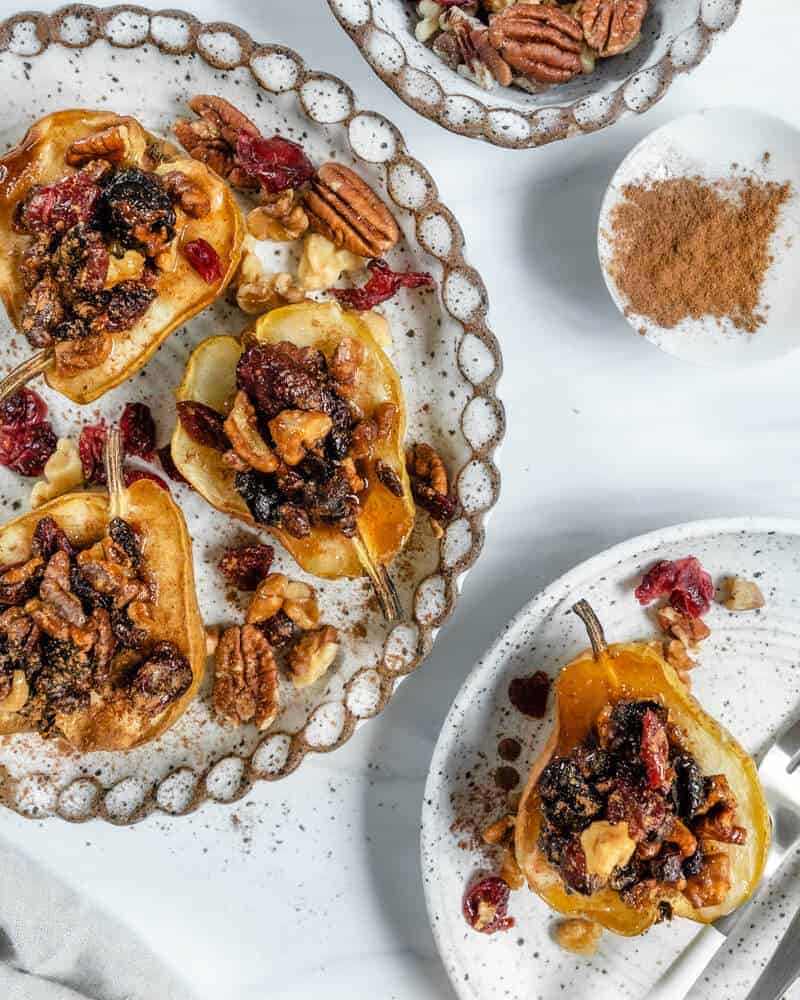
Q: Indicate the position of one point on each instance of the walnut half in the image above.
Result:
(312, 655)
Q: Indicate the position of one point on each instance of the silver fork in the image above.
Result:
(780, 780)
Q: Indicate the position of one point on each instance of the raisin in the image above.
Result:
(91, 444)
(43, 313)
(48, 539)
(689, 788)
(6, 683)
(667, 867)
(126, 537)
(125, 632)
(279, 629)
(138, 431)
(204, 259)
(294, 520)
(136, 210)
(80, 264)
(337, 443)
(568, 799)
(383, 283)
(203, 425)
(260, 494)
(694, 863)
(124, 305)
(161, 679)
(389, 478)
(529, 694)
(626, 725)
(493, 892)
(277, 163)
(246, 566)
(573, 868)
(169, 466)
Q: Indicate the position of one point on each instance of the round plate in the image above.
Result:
(448, 360)
(747, 677)
(719, 144)
(676, 37)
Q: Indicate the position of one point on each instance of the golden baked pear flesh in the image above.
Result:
(306, 368)
(641, 805)
(60, 264)
(101, 641)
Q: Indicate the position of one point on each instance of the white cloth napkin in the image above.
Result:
(55, 946)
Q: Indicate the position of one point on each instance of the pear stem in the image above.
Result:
(25, 372)
(585, 612)
(382, 583)
(112, 458)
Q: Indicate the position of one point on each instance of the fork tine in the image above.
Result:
(789, 742)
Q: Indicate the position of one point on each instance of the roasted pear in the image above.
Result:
(727, 870)
(101, 641)
(385, 513)
(107, 149)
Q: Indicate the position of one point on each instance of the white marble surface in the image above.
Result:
(311, 886)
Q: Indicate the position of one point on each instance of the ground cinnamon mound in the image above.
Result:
(687, 248)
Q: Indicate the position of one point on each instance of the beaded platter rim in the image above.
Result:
(80, 26)
(441, 98)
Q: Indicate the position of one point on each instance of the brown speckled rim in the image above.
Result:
(27, 35)
(514, 128)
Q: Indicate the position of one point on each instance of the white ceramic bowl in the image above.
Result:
(707, 144)
(677, 36)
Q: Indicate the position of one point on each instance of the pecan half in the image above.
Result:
(191, 198)
(246, 678)
(111, 144)
(613, 26)
(345, 209)
(541, 43)
(212, 139)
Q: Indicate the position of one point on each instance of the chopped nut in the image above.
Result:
(690, 631)
(677, 657)
(246, 679)
(167, 259)
(294, 431)
(606, 846)
(312, 655)
(77, 355)
(111, 144)
(578, 935)
(241, 426)
(277, 593)
(191, 197)
(429, 13)
(17, 694)
(429, 479)
(743, 595)
(344, 363)
(62, 472)
(213, 633)
(385, 417)
(357, 484)
(711, 884)
(500, 830)
(343, 207)
(258, 291)
(129, 267)
(322, 264)
(362, 440)
(265, 223)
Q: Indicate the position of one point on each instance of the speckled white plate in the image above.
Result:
(748, 677)
(448, 359)
(715, 144)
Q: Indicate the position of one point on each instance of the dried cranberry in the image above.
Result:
(204, 259)
(383, 283)
(277, 163)
(203, 425)
(654, 749)
(21, 410)
(689, 587)
(132, 476)
(138, 431)
(529, 694)
(246, 566)
(485, 905)
(168, 464)
(48, 539)
(27, 451)
(64, 204)
(91, 444)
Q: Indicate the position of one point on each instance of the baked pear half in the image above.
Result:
(101, 641)
(109, 240)
(309, 420)
(641, 805)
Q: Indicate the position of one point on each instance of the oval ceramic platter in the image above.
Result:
(448, 359)
(748, 676)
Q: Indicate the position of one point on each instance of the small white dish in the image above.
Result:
(747, 677)
(709, 143)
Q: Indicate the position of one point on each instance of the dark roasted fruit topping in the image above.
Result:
(689, 787)
(283, 377)
(654, 750)
(136, 210)
(163, 678)
(138, 431)
(260, 494)
(570, 800)
(123, 305)
(125, 535)
(203, 425)
(246, 566)
(383, 283)
(48, 539)
(485, 905)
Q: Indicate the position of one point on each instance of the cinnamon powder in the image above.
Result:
(688, 248)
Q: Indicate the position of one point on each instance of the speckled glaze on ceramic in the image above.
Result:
(147, 64)
(748, 677)
(676, 36)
